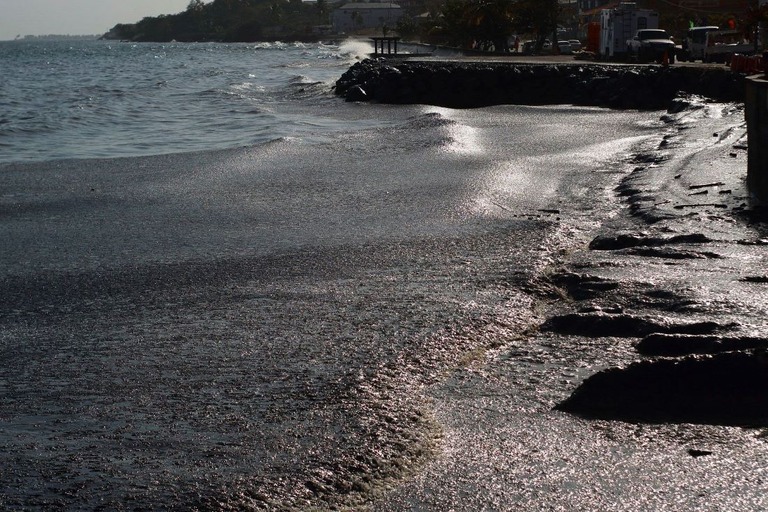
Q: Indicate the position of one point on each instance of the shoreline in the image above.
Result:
(360, 323)
(674, 293)
(667, 259)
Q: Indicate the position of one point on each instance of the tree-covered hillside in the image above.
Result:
(229, 20)
(460, 23)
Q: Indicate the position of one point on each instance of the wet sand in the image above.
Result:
(496, 455)
(255, 328)
(255, 334)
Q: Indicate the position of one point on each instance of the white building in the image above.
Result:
(358, 16)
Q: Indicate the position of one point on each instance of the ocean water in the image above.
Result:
(222, 288)
(62, 99)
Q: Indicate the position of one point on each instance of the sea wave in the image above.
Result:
(164, 98)
(356, 49)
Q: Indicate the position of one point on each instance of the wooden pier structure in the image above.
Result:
(379, 43)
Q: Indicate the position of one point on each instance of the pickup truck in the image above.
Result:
(650, 45)
(721, 45)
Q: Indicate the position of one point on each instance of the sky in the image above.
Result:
(77, 17)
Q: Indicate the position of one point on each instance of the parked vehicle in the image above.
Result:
(575, 45)
(651, 45)
(619, 24)
(710, 44)
(721, 45)
(564, 47)
(529, 47)
(694, 43)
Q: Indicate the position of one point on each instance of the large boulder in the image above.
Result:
(725, 389)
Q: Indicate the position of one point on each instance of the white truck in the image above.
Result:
(695, 41)
(710, 44)
(721, 45)
(651, 45)
(620, 24)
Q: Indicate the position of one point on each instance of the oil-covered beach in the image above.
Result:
(357, 305)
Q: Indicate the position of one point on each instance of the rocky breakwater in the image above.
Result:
(477, 84)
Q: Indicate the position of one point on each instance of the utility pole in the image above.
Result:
(554, 12)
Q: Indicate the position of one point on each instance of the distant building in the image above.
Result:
(588, 5)
(358, 16)
(703, 7)
(700, 7)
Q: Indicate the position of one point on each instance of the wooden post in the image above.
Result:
(391, 43)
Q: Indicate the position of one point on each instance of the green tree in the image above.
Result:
(195, 6)
(406, 27)
(538, 17)
(322, 9)
(226, 20)
(479, 23)
(276, 12)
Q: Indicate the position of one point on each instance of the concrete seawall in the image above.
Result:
(477, 84)
(756, 113)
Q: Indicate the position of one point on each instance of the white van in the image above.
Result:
(695, 42)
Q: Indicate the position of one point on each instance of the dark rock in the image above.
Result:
(356, 93)
(469, 84)
(700, 205)
(612, 243)
(675, 345)
(648, 158)
(756, 242)
(629, 191)
(666, 300)
(754, 279)
(725, 389)
(582, 286)
(625, 325)
(678, 105)
(673, 254)
(706, 185)
(693, 238)
(624, 241)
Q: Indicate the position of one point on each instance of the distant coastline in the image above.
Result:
(57, 37)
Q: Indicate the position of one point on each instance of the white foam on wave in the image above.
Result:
(274, 45)
(244, 89)
(301, 80)
(356, 49)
